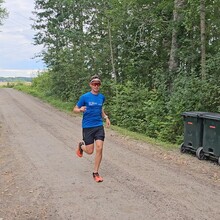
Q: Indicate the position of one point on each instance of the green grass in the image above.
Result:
(67, 107)
(144, 138)
(57, 103)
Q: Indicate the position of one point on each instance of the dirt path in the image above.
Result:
(41, 178)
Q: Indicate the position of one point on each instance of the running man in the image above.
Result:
(91, 105)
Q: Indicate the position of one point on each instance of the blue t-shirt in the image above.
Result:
(92, 117)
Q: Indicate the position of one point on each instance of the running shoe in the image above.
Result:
(79, 151)
(97, 178)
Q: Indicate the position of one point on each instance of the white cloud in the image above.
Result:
(16, 40)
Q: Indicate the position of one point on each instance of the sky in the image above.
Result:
(17, 51)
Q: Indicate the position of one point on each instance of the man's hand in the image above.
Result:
(76, 109)
(108, 123)
(82, 109)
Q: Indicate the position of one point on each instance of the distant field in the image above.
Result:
(3, 83)
(13, 83)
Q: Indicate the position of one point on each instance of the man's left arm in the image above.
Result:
(107, 120)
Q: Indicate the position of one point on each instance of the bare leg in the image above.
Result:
(98, 156)
(88, 148)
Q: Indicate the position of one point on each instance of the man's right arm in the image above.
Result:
(76, 109)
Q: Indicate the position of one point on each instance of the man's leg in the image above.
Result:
(87, 134)
(88, 148)
(98, 156)
(84, 148)
(98, 159)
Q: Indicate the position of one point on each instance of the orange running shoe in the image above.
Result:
(97, 178)
(79, 151)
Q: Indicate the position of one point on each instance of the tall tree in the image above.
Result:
(203, 38)
(173, 61)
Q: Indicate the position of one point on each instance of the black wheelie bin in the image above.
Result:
(193, 131)
(211, 136)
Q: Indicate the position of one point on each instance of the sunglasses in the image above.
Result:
(96, 84)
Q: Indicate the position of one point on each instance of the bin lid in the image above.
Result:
(193, 114)
(211, 115)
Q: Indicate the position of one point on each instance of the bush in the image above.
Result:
(189, 94)
(43, 83)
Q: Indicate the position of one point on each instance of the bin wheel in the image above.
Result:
(200, 153)
(182, 148)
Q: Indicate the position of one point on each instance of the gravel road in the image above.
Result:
(41, 177)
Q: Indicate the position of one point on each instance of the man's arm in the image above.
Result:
(76, 109)
(108, 123)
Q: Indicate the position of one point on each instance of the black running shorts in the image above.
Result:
(92, 134)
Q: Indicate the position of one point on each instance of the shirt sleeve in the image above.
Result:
(81, 102)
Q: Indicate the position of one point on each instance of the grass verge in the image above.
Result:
(54, 101)
(144, 138)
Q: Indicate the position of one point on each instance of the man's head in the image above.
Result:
(95, 79)
(95, 83)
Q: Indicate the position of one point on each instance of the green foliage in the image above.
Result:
(28, 89)
(43, 83)
(189, 94)
(37, 92)
(137, 109)
(3, 12)
(128, 43)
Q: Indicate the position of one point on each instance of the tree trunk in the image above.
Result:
(111, 52)
(173, 61)
(203, 38)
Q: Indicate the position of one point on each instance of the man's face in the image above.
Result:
(95, 85)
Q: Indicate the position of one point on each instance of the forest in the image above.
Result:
(156, 58)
